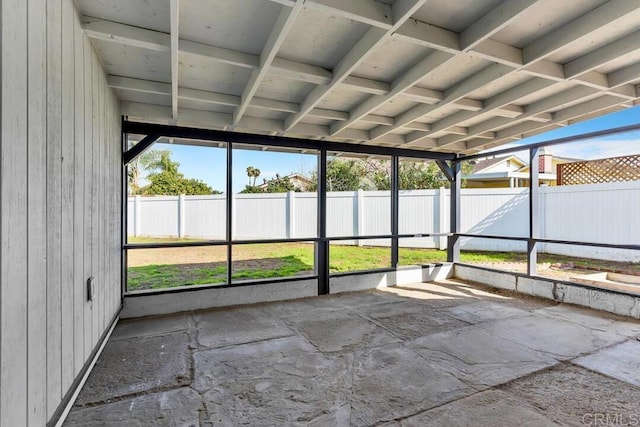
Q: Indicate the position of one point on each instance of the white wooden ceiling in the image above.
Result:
(439, 75)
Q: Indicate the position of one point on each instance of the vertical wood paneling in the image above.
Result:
(54, 204)
(37, 219)
(95, 162)
(13, 207)
(78, 192)
(67, 185)
(59, 199)
(88, 191)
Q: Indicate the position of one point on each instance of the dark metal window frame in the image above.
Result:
(533, 237)
(450, 164)
(153, 132)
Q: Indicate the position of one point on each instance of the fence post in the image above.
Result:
(233, 216)
(360, 215)
(291, 218)
(136, 216)
(442, 240)
(181, 219)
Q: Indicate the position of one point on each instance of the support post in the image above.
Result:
(322, 246)
(136, 216)
(534, 205)
(181, 224)
(230, 223)
(442, 240)
(395, 202)
(453, 249)
(360, 214)
(291, 214)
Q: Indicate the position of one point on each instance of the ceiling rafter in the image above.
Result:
(603, 55)
(277, 36)
(419, 71)
(401, 11)
(577, 29)
(582, 79)
(536, 64)
(455, 93)
(575, 94)
(209, 119)
(175, 33)
(554, 102)
(153, 40)
(574, 112)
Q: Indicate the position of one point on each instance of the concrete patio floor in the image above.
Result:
(447, 353)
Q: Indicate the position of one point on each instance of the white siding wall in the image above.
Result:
(60, 206)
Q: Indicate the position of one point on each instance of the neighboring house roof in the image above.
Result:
(485, 165)
(301, 182)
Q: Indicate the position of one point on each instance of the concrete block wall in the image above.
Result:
(565, 292)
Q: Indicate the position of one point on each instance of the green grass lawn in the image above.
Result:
(264, 261)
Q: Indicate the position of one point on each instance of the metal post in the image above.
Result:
(395, 201)
(229, 222)
(322, 246)
(453, 249)
(124, 200)
(534, 220)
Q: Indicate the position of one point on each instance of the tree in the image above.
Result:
(141, 163)
(280, 185)
(253, 173)
(160, 161)
(342, 175)
(165, 178)
(174, 184)
(417, 176)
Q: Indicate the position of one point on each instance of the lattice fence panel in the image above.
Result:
(615, 169)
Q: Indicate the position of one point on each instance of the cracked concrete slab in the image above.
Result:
(340, 330)
(206, 362)
(220, 328)
(392, 381)
(365, 299)
(410, 321)
(138, 365)
(179, 407)
(488, 408)
(479, 358)
(594, 319)
(276, 382)
(576, 396)
(441, 294)
(150, 326)
(347, 360)
(557, 337)
(483, 311)
(621, 361)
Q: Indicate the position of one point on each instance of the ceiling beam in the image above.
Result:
(401, 11)
(368, 12)
(603, 55)
(579, 28)
(571, 113)
(278, 33)
(532, 113)
(472, 83)
(175, 34)
(494, 21)
(416, 73)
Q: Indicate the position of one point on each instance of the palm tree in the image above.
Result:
(164, 163)
(253, 173)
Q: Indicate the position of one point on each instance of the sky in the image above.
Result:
(208, 164)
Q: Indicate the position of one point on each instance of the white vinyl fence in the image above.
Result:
(599, 213)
